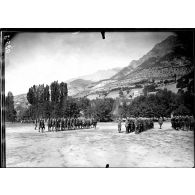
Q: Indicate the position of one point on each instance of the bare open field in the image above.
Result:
(25, 147)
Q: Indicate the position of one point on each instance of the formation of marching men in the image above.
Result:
(136, 125)
(61, 124)
(183, 122)
(141, 124)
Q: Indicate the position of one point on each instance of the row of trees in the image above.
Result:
(163, 103)
(47, 101)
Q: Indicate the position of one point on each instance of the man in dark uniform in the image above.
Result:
(43, 125)
(160, 122)
(136, 122)
(173, 122)
(58, 124)
(187, 123)
(182, 121)
(119, 125)
(142, 125)
(65, 123)
(177, 123)
(40, 124)
(62, 124)
(74, 123)
(127, 125)
(192, 123)
(131, 125)
(52, 124)
(36, 123)
(69, 123)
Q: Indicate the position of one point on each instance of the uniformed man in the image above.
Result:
(192, 123)
(62, 124)
(127, 125)
(49, 124)
(160, 122)
(119, 125)
(136, 122)
(36, 123)
(41, 125)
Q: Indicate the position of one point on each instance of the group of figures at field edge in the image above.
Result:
(183, 123)
(140, 124)
(61, 124)
(136, 125)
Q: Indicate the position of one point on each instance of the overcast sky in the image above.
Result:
(38, 58)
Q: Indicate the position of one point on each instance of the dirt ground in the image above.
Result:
(26, 147)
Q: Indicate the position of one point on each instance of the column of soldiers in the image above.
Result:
(185, 123)
(136, 125)
(61, 124)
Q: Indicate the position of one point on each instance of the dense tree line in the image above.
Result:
(10, 112)
(163, 103)
(102, 109)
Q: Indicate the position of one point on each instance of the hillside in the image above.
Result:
(77, 86)
(158, 51)
(167, 60)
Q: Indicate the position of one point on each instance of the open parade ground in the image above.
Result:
(166, 147)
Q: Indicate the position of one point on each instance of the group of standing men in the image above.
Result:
(61, 124)
(140, 124)
(136, 125)
(185, 123)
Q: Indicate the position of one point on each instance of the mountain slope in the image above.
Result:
(78, 85)
(167, 60)
(159, 50)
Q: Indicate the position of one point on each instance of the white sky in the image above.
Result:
(38, 58)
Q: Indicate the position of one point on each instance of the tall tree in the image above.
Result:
(63, 98)
(9, 104)
(46, 93)
(63, 91)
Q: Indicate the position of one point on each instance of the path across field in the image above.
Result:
(25, 147)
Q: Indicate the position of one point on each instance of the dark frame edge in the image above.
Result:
(2, 102)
